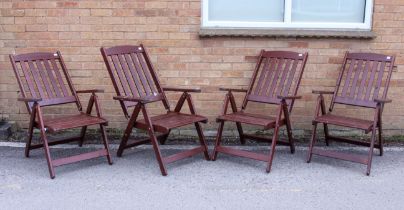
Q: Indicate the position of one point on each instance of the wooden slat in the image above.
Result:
(379, 80)
(358, 71)
(275, 79)
(56, 142)
(146, 72)
(268, 78)
(55, 101)
(291, 77)
(242, 153)
(343, 156)
(247, 118)
(359, 96)
(73, 121)
(263, 73)
(52, 79)
(77, 158)
(27, 76)
(122, 79)
(345, 121)
(371, 80)
(348, 77)
(285, 72)
(128, 76)
(44, 77)
(182, 155)
(134, 75)
(59, 77)
(36, 79)
(140, 74)
(263, 99)
(163, 123)
(352, 141)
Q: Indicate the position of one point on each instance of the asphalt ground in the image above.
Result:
(134, 181)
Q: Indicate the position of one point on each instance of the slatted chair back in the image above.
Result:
(44, 75)
(277, 73)
(363, 78)
(133, 74)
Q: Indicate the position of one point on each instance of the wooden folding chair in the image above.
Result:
(136, 84)
(275, 80)
(42, 84)
(362, 78)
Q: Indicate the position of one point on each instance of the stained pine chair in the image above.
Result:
(275, 81)
(363, 81)
(136, 85)
(44, 81)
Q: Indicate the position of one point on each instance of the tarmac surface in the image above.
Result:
(134, 181)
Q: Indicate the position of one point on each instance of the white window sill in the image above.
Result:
(315, 33)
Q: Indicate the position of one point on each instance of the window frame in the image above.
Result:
(287, 23)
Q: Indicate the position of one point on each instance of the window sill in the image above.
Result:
(314, 33)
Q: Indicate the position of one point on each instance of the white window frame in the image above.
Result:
(287, 23)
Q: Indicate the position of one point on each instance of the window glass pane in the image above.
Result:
(350, 11)
(242, 10)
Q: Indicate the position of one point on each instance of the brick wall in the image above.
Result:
(169, 28)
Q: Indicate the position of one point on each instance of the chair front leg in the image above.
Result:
(128, 129)
(88, 111)
(325, 126)
(312, 142)
(288, 127)
(274, 138)
(198, 127)
(218, 140)
(234, 109)
(45, 143)
(30, 130)
(372, 140)
(153, 140)
(381, 141)
(105, 142)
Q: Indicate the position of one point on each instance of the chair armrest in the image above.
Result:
(29, 99)
(289, 97)
(322, 92)
(181, 89)
(90, 91)
(232, 89)
(133, 99)
(382, 101)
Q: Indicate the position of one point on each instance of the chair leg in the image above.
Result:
(47, 154)
(28, 144)
(290, 137)
(218, 141)
(381, 141)
(272, 152)
(312, 142)
(370, 155)
(124, 141)
(105, 142)
(82, 135)
(157, 152)
(202, 140)
(326, 135)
